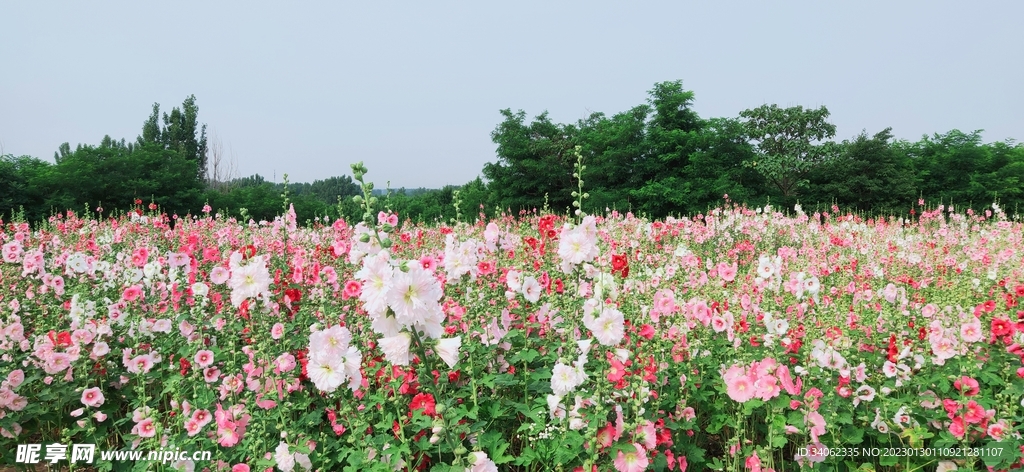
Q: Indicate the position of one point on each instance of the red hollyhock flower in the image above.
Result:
(425, 402)
(620, 265)
(185, 365)
(1001, 327)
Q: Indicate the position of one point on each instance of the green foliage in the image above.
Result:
(787, 143)
(533, 160)
(181, 132)
(868, 174)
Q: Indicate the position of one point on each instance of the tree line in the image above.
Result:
(658, 158)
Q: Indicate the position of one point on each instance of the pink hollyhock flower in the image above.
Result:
(645, 434)
(786, 379)
(753, 463)
(285, 362)
(192, 427)
(211, 374)
(767, 387)
(277, 332)
(204, 358)
(606, 435)
(219, 275)
(632, 461)
(92, 397)
(140, 256)
(227, 437)
(727, 272)
(132, 293)
(482, 463)
(817, 423)
(998, 429)
(15, 378)
(352, 289)
(957, 427)
(145, 428)
(240, 468)
(975, 413)
(970, 332)
(202, 417)
(966, 385)
(739, 385)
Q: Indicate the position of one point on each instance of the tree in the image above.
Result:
(535, 162)
(789, 141)
(659, 185)
(181, 133)
(20, 188)
(612, 149)
(868, 174)
(220, 170)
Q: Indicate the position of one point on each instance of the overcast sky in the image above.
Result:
(413, 89)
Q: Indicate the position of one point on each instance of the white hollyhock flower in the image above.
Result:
(413, 295)
(327, 373)
(385, 326)
(249, 281)
(448, 350)
(396, 348)
(563, 379)
(532, 289)
(285, 460)
(376, 275)
(609, 327)
(332, 341)
(514, 280)
(352, 361)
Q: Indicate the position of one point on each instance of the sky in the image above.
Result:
(414, 89)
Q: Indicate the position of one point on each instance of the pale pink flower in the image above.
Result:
(92, 397)
(631, 461)
(727, 272)
(396, 348)
(192, 427)
(15, 378)
(285, 362)
(219, 275)
(970, 332)
(277, 332)
(204, 358)
(609, 328)
(645, 434)
(211, 374)
(532, 289)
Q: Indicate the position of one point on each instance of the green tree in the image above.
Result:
(659, 185)
(20, 187)
(534, 162)
(181, 132)
(790, 142)
(612, 149)
(868, 174)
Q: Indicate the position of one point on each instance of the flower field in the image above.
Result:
(737, 340)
